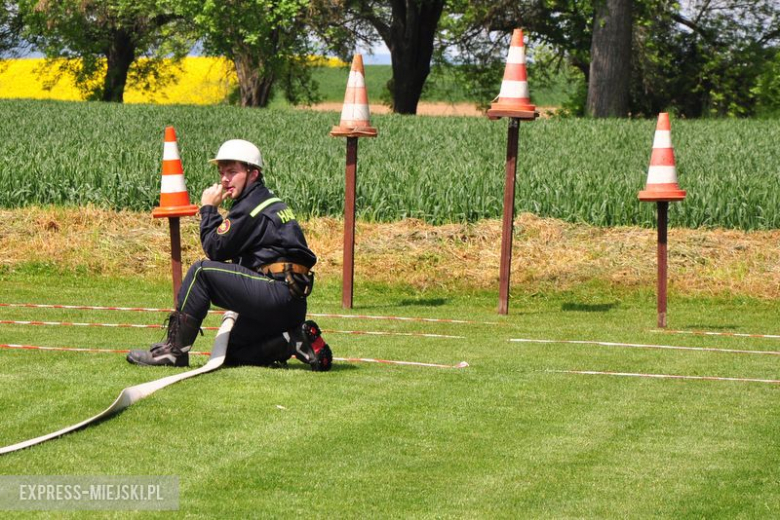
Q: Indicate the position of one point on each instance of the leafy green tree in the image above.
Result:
(696, 57)
(99, 42)
(408, 28)
(558, 33)
(722, 48)
(267, 40)
(10, 29)
(767, 89)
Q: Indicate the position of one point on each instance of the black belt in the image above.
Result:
(282, 267)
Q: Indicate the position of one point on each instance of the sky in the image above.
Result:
(377, 55)
(381, 54)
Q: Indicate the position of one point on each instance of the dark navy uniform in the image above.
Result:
(259, 230)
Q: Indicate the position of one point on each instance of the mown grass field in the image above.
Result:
(436, 169)
(506, 437)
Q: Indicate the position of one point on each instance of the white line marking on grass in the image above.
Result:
(639, 345)
(708, 333)
(665, 376)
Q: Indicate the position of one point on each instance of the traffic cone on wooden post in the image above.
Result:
(354, 124)
(174, 202)
(513, 99)
(514, 103)
(662, 173)
(662, 188)
(354, 113)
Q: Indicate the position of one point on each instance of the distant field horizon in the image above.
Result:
(202, 80)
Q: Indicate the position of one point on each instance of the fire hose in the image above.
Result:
(133, 394)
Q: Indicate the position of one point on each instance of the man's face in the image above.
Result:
(235, 177)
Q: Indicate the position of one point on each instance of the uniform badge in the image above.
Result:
(224, 227)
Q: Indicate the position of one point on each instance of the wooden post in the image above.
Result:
(174, 203)
(663, 211)
(175, 257)
(662, 188)
(354, 124)
(507, 229)
(514, 103)
(349, 223)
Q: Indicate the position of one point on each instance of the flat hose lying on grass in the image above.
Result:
(132, 394)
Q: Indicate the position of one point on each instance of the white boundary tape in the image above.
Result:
(315, 315)
(462, 364)
(12, 346)
(148, 326)
(381, 333)
(402, 318)
(76, 324)
(731, 334)
(665, 376)
(640, 345)
(132, 394)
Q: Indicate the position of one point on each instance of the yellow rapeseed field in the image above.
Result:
(202, 81)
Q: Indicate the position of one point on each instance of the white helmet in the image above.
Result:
(239, 150)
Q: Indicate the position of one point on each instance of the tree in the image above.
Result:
(695, 56)
(267, 40)
(99, 41)
(558, 33)
(734, 43)
(704, 57)
(10, 29)
(610, 59)
(408, 28)
(594, 36)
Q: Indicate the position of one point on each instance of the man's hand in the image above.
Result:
(213, 196)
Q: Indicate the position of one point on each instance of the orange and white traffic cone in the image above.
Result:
(514, 94)
(662, 173)
(174, 200)
(354, 113)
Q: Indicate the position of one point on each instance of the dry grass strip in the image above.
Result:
(547, 253)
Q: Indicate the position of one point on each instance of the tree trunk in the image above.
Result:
(410, 40)
(406, 85)
(119, 57)
(610, 59)
(254, 89)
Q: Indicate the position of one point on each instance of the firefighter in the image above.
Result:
(258, 265)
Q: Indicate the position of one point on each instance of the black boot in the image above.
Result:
(182, 331)
(307, 345)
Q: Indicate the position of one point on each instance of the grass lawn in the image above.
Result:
(505, 437)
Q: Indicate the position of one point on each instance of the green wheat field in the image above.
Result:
(521, 432)
(439, 169)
